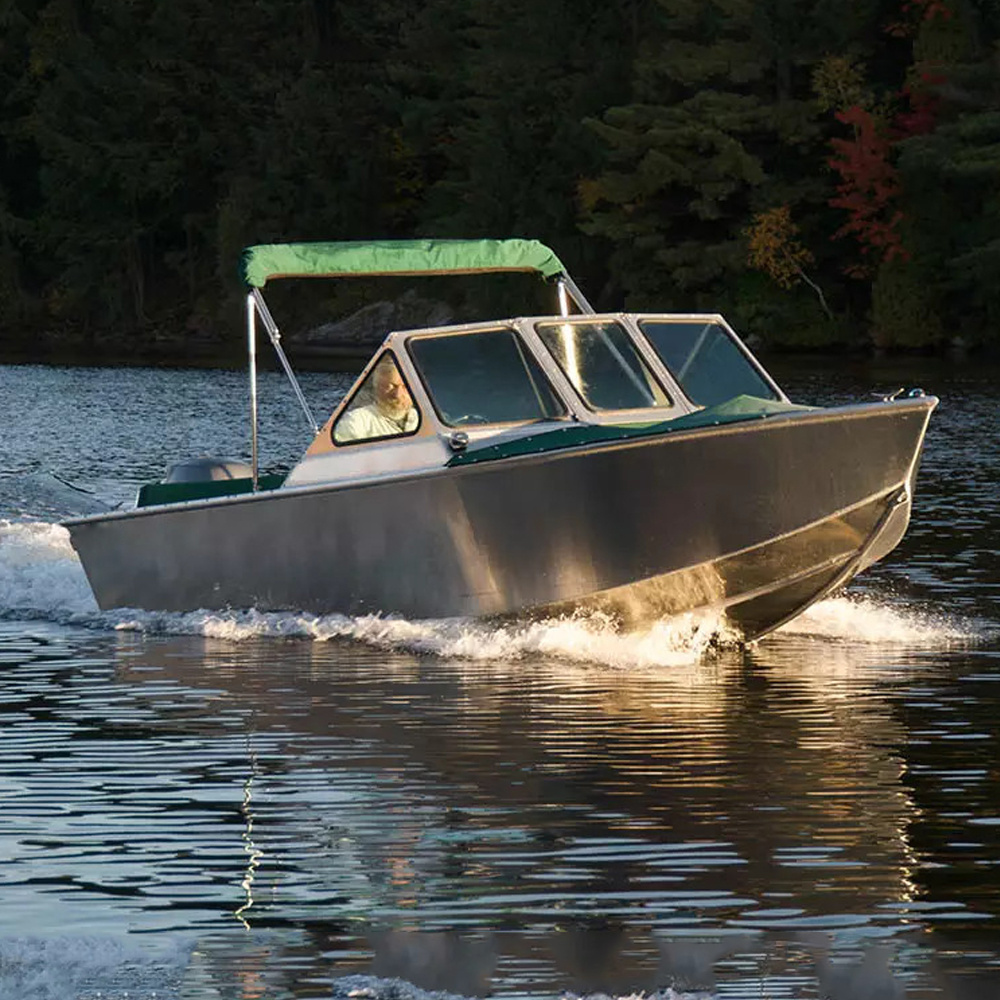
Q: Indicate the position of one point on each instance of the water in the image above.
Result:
(244, 805)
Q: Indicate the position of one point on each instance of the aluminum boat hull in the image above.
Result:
(760, 518)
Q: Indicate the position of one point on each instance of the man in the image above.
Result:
(390, 413)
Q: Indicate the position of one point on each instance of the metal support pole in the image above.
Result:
(252, 354)
(272, 332)
(563, 297)
(567, 284)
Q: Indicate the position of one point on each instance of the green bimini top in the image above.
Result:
(732, 411)
(258, 264)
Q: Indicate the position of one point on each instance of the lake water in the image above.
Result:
(251, 805)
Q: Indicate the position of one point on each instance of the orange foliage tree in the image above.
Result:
(774, 248)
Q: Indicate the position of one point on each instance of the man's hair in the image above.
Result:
(386, 366)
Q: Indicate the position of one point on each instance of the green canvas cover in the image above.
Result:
(258, 264)
(732, 411)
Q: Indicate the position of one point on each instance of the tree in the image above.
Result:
(868, 191)
(169, 135)
(948, 155)
(503, 110)
(18, 166)
(774, 248)
(723, 126)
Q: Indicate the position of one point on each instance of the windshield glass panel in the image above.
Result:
(483, 377)
(709, 365)
(603, 365)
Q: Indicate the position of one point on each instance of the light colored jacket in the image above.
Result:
(369, 422)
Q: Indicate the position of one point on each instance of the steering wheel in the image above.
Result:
(470, 418)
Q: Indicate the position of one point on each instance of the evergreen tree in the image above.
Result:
(505, 109)
(18, 166)
(724, 126)
(169, 135)
(951, 173)
(143, 143)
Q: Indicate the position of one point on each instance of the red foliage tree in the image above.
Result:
(868, 189)
(915, 12)
(869, 185)
(922, 104)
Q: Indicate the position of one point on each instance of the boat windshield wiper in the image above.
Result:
(695, 351)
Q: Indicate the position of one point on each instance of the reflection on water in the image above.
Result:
(544, 825)
(248, 805)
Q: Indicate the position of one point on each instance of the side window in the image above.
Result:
(382, 407)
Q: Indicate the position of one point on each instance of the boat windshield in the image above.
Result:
(707, 362)
(603, 364)
(483, 377)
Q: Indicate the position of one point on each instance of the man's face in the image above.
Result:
(391, 395)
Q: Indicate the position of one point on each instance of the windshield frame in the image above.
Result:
(638, 319)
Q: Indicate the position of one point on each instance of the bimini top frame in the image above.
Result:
(381, 258)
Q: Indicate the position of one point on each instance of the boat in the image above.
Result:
(638, 464)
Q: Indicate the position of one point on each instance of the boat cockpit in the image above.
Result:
(429, 394)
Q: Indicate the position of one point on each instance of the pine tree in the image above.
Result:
(724, 126)
(505, 113)
(18, 165)
(950, 170)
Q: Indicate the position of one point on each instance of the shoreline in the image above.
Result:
(353, 358)
(334, 359)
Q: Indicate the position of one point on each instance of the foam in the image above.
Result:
(584, 638)
(85, 968)
(374, 988)
(866, 619)
(40, 572)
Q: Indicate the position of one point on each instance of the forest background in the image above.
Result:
(826, 173)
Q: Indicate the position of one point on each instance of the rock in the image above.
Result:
(368, 326)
